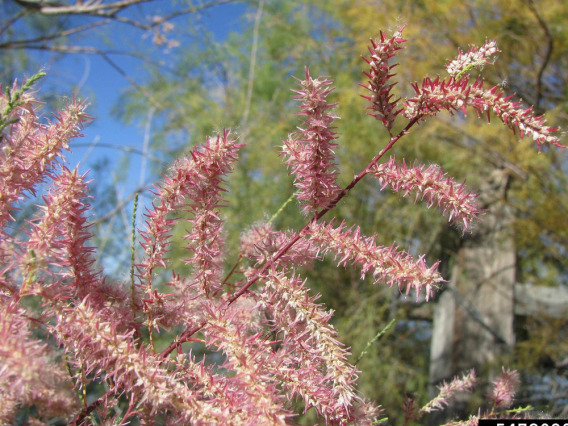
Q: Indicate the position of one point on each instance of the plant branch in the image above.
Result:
(547, 55)
(322, 212)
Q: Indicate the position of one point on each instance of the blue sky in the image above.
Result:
(96, 80)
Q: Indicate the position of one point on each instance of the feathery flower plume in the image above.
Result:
(309, 151)
(29, 375)
(316, 367)
(504, 388)
(194, 184)
(210, 162)
(513, 115)
(433, 186)
(95, 340)
(31, 148)
(61, 235)
(474, 58)
(454, 94)
(384, 109)
(449, 391)
(387, 264)
(249, 355)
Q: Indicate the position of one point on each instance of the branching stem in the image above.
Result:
(322, 212)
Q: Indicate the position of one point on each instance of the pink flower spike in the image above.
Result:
(449, 391)
(513, 115)
(316, 368)
(504, 389)
(454, 94)
(433, 186)
(309, 151)
(386, 264)
(194, 184)
(261, 242)
(379, 74)
(474, 58)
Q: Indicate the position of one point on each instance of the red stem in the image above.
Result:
(184, 337)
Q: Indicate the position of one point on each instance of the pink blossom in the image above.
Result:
(58, 239)
(31, 148)
(449, 390)
(474, 58)
(379, 74)
(315, 366)
(432, 185)
(309, 151)
(249, 356)
(451, 95)
(504, 388)
(194, 185)
(111, 354)
(261, 242)
(387, 264)
(29, 372)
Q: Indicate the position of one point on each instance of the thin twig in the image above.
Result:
(374, 339)
(548, 54)
(252, 64)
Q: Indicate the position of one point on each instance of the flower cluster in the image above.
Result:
(501, 397)
(261, 242)
(193, 185)
(314, 355)
(265, 342)
(30, 150)
(386, 264)
(309, 151)
(473, 58)
(27, 375)
(433, 186)
(504, 388)
(449, 390)
(458, 93)
(380, 73)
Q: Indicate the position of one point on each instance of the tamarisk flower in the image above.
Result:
(249, 355)
(458, 93)
(433, 186)
(309, 151)
(474, 58)
(193, 184)
(60, 236)
(316, 367)
(104, 351)
(504, 388)
(382, 105)
(29, 375)
(31, 149)
(387, 264)
(449, 390)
